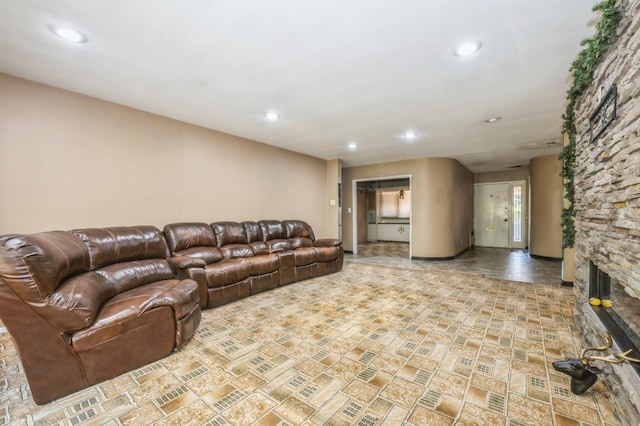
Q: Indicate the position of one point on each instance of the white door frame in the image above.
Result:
(354, 204)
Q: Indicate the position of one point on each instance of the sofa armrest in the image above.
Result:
(328, 242)
(187, 267)
(183, 262)
(181, 295)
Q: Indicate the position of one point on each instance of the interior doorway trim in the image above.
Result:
(354, 207)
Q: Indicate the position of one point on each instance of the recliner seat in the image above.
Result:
(88, 305)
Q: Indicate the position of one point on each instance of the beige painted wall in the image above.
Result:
(546, 207)
(69, 161)
(504, 176)
(441, 203)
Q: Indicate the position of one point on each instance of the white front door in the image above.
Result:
(499, 214)
(491, 218)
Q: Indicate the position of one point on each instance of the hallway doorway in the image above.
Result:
(382, 216)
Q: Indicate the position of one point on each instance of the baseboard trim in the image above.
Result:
(432, 258)
(555, 259)
(439, 258)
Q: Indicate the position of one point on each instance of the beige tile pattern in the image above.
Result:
(500, 263)
(370, 345)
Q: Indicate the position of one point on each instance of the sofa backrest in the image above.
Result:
(185, 235)
(127, 256)
(272, 230)
(229, 233)
(254, 235)
(108, 246)
(232, 239)
(298, 228)
(49, 271)
(34, 265)
(252, 231)
(299, 233)
(194, 239)
(274, 234)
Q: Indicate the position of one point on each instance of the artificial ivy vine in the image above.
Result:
(582, 69)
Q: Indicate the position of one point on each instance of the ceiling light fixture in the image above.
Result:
(410, 135)
(353, 146)
(492, 119)
(272, 115)
(69, 34)
(467, 49)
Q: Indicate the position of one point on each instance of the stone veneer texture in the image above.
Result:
(607, 180)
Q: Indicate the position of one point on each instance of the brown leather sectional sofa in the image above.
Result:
(86, 305)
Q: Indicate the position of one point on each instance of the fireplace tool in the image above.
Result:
(583, 374)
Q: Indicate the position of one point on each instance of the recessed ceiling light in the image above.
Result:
(410, 134)
(492, 119)
(272, 115)
(352, 146)
(69, 34)
(467, 49)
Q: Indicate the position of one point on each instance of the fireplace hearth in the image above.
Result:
(617, 310)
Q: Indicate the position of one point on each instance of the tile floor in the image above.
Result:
(369, 345)
(507, 264)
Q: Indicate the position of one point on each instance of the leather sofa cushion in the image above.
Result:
(181, 295)
(328, 254)
(298, 228)
(296, 242)
(126, 276)
(229, 233)
(34, 265)
(125, 312)
(327, 242)
(278, 245)
(208, 254)
(259, 247)
(252, 231)
(181, 236)
(233, 251)
(305, 256)
(108, 246)
(272, 230)
(264, 264)
(76, 302)
(227, 271)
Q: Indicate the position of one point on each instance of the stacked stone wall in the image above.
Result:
(607, 182)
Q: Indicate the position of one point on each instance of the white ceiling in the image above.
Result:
(336, 70)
